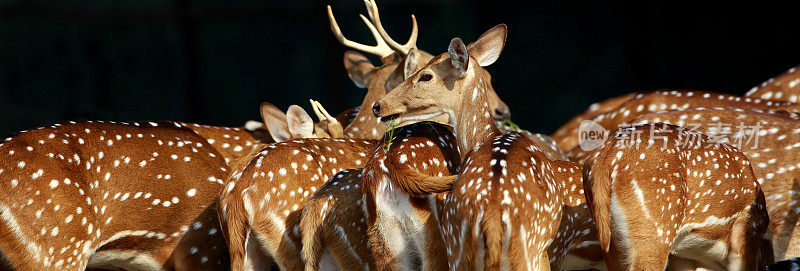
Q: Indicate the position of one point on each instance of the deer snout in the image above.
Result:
(502, 113)
(376, 109)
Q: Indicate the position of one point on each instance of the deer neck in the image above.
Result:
(473, 122)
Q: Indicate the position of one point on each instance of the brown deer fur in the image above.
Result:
(659, 190)
(111, 195)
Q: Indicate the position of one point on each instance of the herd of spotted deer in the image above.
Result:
(448, 189)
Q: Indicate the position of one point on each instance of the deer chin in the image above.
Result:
(399, 119)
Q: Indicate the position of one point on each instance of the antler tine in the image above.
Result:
(316, 111)
(325, 112)
(382, 49)
(372, 10)
(334, 126)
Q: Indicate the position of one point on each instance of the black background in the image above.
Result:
(214, 61)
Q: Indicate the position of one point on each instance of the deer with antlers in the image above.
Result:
(505, 206)
(663, 195)
(252, 240)
(399, 61)
(134, 196)
(768, 139)
(234, 143)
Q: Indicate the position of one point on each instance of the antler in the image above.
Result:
(334, 126)
(372, 10)
(382, 49)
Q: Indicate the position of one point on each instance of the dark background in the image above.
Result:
(215, 61)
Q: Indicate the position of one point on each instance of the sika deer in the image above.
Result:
(769, 140)
(505, 202)
(783, 88)
(110, 195)
(399, 62)
(662, 195)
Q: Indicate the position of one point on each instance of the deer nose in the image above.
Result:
(376, 109)
(502, 113)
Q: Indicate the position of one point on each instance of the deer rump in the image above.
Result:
(634, 232)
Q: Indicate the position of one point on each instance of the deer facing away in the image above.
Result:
(663, 195)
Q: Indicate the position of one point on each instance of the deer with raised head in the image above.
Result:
(399, 61)
(769, 140)
(656, 101)
(136, 196)
(505, 206)
(664, 196)
(784, 87)
(238, 187)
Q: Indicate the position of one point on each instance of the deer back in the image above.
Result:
(561, 136)
(657, 101)
(101, 194)
(233, 143)
(265, 194)
(768, 139)
(784, 87)
(400, 185)
(683, 187)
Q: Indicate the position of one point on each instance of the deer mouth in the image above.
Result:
(398, 119)
(390, 117)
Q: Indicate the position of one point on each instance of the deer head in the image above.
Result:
(296, 123)
(399, 62)
(450, 84)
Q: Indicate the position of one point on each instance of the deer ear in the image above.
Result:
(300, 123)
(358, 68)
(410, 63)
(458, 56)
(275, 122)
(487, 48)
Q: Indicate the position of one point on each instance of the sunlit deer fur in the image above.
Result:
(262, 199)
(135, 196)
(784, 87)
(660, 193)
(506, 205)
(565, 136)
(235, 143)
(656, 101)
(403, 233)
(772, 149)
(396, 66)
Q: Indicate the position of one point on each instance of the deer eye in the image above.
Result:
(425, 77)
